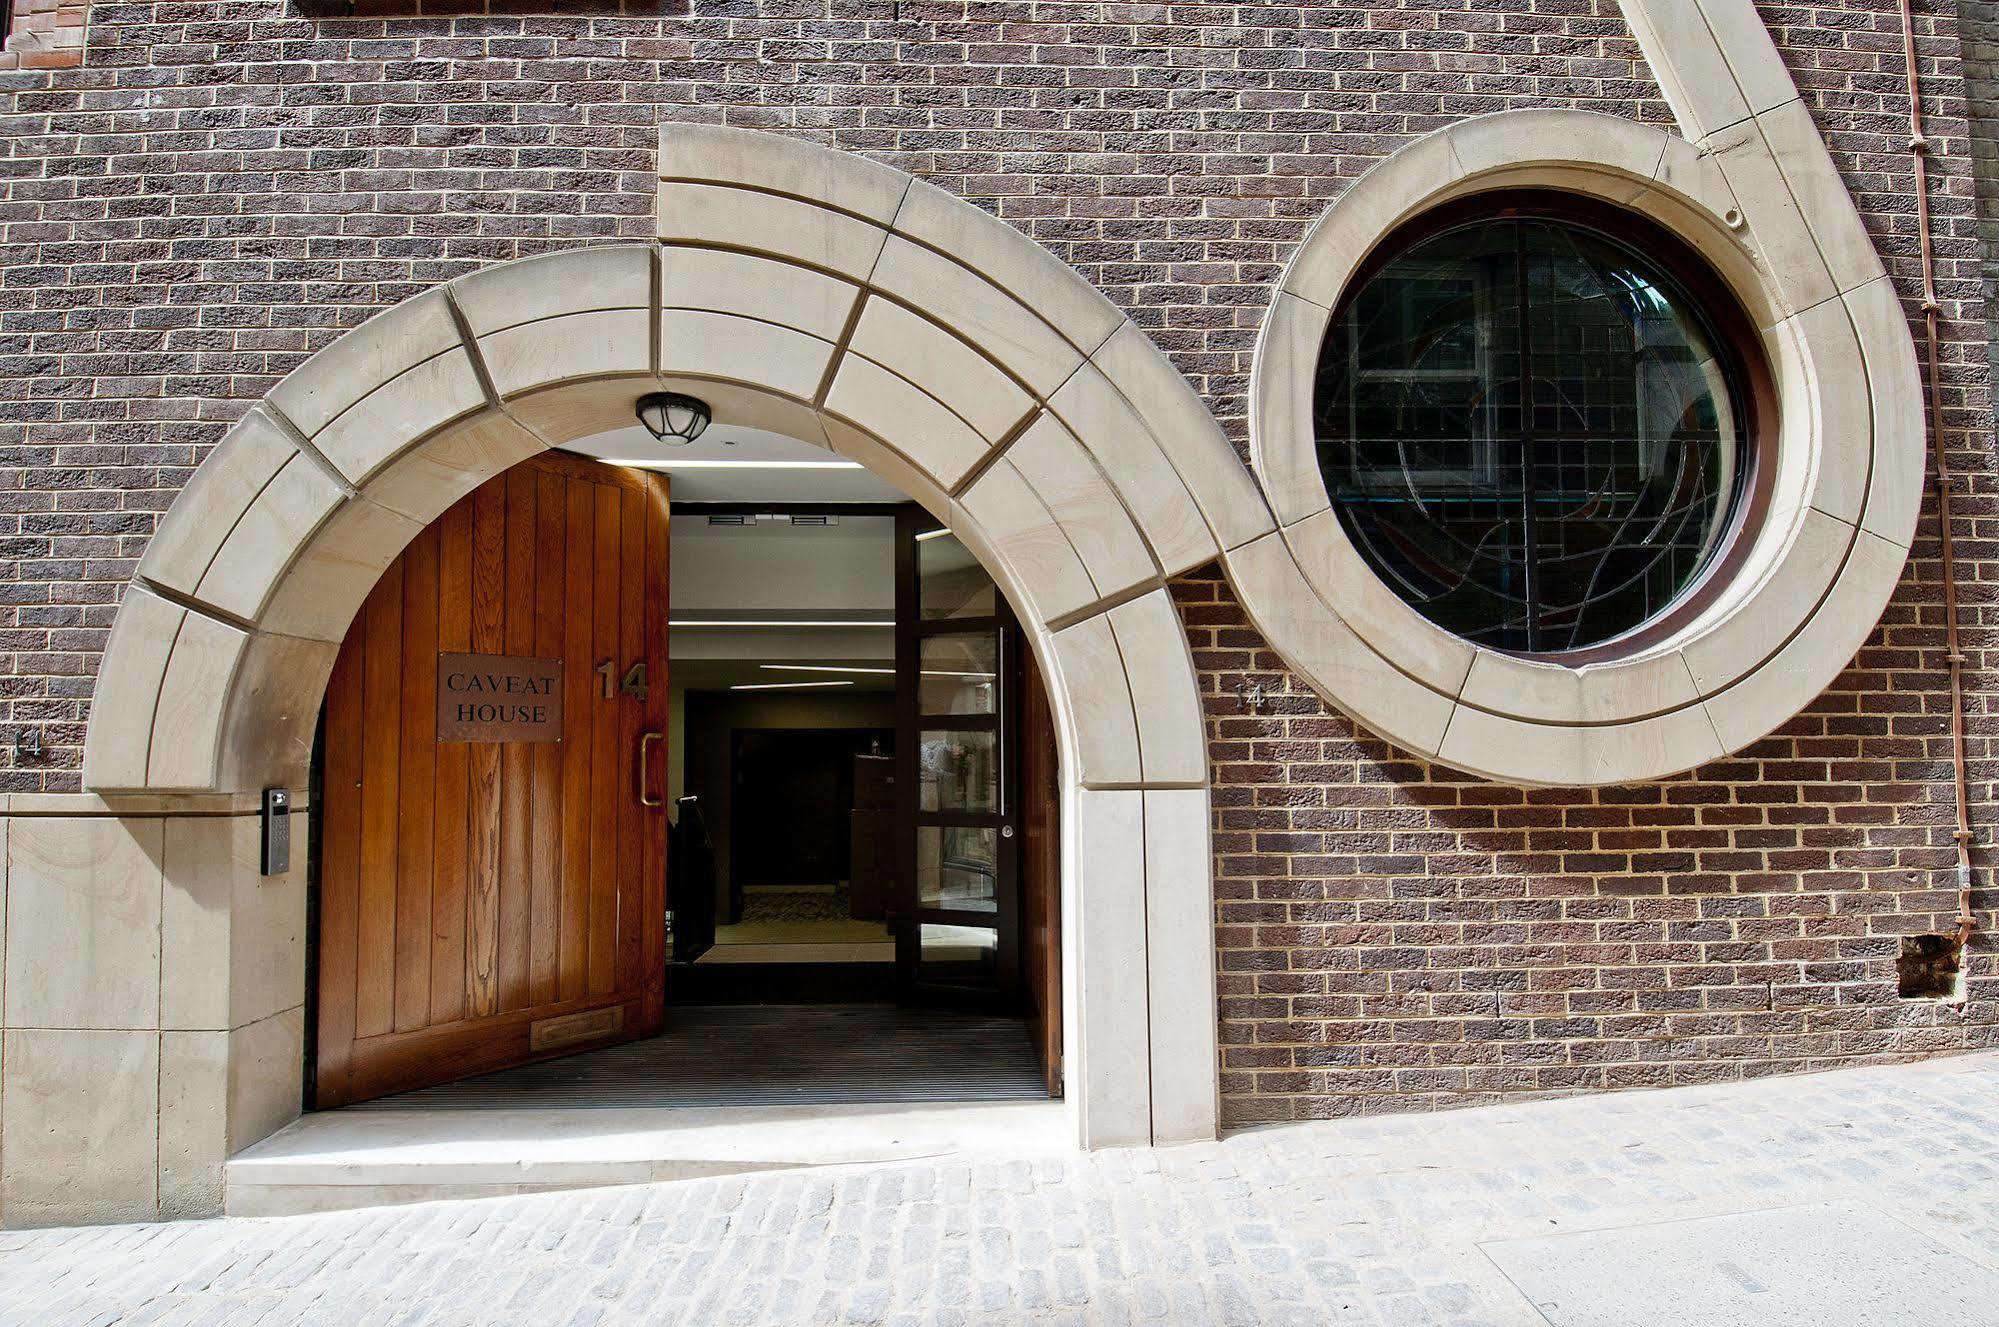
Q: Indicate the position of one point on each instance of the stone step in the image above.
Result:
(334, 1160)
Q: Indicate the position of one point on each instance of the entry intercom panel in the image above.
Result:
(277, 836)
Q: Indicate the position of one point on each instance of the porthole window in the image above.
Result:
(1536, 424)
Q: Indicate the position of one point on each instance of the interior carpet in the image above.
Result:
(796, 905)
(769, 1055)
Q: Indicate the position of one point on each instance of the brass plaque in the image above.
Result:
(498, 698)
(571, 1028)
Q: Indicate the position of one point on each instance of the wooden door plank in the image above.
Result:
(449, 852)
(516, 759)
(482, 891)
(633, 819)
(417, 777)
(340, 867)
(1041, 871)
(578, 731)
(545, 838)
(381, 804)
(606, 787)
(658, 608)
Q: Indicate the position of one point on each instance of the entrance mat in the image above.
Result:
(1829, 1263)
(769, 1055)
(839, 931)
(798, 905)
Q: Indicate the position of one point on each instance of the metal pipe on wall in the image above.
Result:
(1919, 151)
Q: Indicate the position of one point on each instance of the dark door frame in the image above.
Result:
(910, 630)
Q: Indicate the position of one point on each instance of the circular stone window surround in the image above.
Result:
(1818, 567)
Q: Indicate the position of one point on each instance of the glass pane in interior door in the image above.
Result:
(957, 867)
(950, 582)
(957, 771)
(958, 673)
(959, 954)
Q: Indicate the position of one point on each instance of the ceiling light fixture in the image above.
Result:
(674, 419)
(825, 668)
(784, 686)
(881, 672)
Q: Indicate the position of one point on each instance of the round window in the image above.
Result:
(1531, 428)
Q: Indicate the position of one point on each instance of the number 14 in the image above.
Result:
(633, 685)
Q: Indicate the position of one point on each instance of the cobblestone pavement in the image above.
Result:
(1367, 1221)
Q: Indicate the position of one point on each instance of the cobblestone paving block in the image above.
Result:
(1368, 1221)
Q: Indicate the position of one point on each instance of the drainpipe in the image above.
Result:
(1919, 151)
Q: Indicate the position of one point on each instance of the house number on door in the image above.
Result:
(634, 683)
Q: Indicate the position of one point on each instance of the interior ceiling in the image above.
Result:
(721, 674)
(695, 482)
(764, 568)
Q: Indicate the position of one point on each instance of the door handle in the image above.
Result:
(645, 744)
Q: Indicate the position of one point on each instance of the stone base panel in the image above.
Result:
(151, 1002)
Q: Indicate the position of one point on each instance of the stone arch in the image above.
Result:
(842, 302)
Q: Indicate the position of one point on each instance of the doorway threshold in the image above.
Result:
(336, 1160)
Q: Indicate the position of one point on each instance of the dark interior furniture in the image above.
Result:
(791, 804)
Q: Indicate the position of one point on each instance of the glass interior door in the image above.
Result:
(957, 648)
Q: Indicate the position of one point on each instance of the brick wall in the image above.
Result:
(1980, 41)
(44, 34)
(1396, 936)
(220, 189)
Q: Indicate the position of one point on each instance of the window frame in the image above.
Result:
(1735, 332)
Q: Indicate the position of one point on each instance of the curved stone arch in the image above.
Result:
(858, 309)
(1758, 196)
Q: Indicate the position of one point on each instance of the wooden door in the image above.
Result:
(484, 903)
(1041, 872)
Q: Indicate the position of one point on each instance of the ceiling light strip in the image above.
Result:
(785, 686)
(646, 463)
(882, 672)
(770, 622)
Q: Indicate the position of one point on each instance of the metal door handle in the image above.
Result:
(645, 744)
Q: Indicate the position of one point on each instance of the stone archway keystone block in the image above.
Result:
(366, 359)
(700, 344)
(963, 378)
(414, 404)
(1135, 464)
(566, 282)
(717, 154)
(1010, 261)
(1082, 502)
(881, 402)
(1027, 539)
(523, 358)
(760, 222)
(751, 286)
(956, 297)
